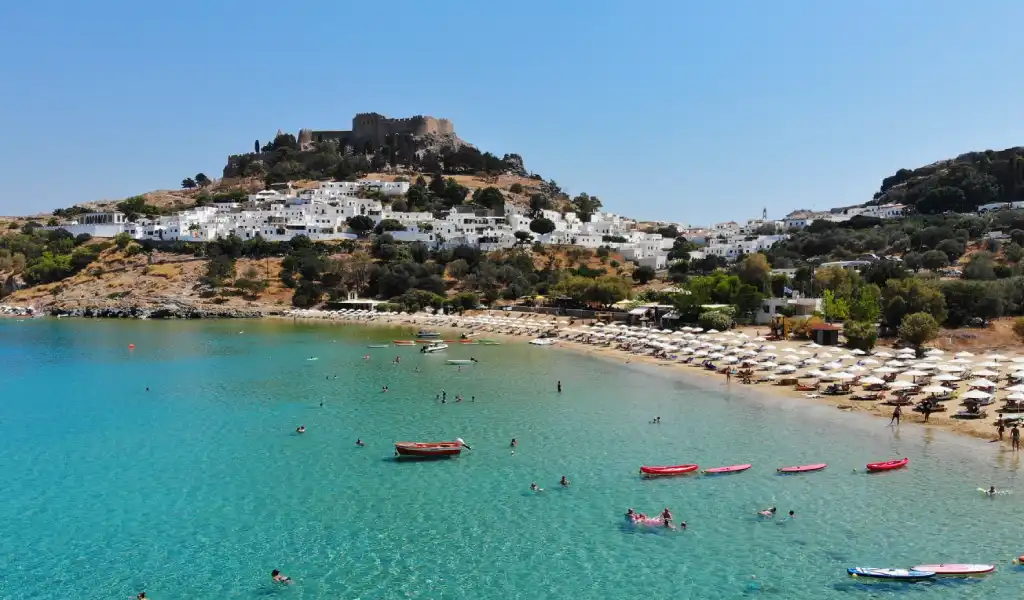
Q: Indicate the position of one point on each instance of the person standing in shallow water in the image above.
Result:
(1015, 438)
(896, 416)
(559, 386)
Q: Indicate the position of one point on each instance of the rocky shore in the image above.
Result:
(164, 312)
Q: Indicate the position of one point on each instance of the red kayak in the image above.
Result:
(667, 471)
(803, 468)
(888, 465)
(723, 470)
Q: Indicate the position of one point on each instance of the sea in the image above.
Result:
(162, 456)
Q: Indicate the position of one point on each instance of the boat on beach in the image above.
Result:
(890, 574)
(542, 342)
(667, 471)
(725, 470)
(957, 570)
(888, 465)
(802, 468)
(428, 449)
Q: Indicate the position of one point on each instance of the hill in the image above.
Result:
(960, 184)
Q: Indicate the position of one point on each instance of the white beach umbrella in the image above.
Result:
(895, 363)
(790, 358)
(934, 351)
(982, 383)
(963, 354)
(900, 384)
(976, 395)
(996, 357)
(1017, 375)
(803, 353)
(950, 368)
(961, 361)
(884, 354)
(812, 361)
(988, 364)
(812, 345)
(884, 370)
(814, 373)
(769, 347)
(933, 358)
(732, 360)
(984, 373)
(872, 381)
(1016, 388)
(868, 361)
(710, 331)
(786, 369)
(936, 389)
(946, 377)
(915, 373)
(788, 350)
(843, 376)
(858, 352)
(768, 365)
(857, 369)
(1016, 396)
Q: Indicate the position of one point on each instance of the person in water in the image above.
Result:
(514, 443)
(359, 443)
(1015, 438)
(767, 513)
(564, 482)
(991, 491)
(559, 387)
(534, 488)
(141, 596)
(280, 577)
(896, 416)
(300, 429)
(666, 517)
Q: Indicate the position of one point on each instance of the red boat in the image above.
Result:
(888, 465)
(429, 449)
(803, 468)
(667, 471)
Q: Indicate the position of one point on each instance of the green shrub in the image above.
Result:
(861, 335)
(714, 319)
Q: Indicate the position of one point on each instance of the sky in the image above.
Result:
(684, 111)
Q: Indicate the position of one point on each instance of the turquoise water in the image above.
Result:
(198, 488)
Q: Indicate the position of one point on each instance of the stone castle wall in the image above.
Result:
(374, 127)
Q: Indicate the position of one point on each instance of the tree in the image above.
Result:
(491, 198)
(941, 199)
(438, 185)
(523, 237)
(754, 270)
(188, 183)
(458, 268)
(714, 319)
(934, 260)
(388, 225)
(122, 240)
(953, 248)
(860, 334)
(643, 274)
(539, 202)
(901, 297)
(542, 226)
(835, 308)
(1018, 328)
(912, 261)
(585, 206)
(1013, 252)
(918, 329)
(202, 180)
(360, 224)
(980, 266)
(399, 206)
(867, 308)
(256, 147)
(516, 188)
(136, 206)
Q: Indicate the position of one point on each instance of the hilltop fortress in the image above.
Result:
(374, 128)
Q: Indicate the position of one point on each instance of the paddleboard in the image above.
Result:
(803, 468)
(953, 570)
(724, 470)
(998, 492)
(892, 574)
(377, 346)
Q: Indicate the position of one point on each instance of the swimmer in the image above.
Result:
(767, 513)
(360, 443)
(141, 596)
(991, 491)
(682, 525)
(630, 514)
(472, 398)
(514, 443)
(147, 389)
(280, 577)
(564, 482)
(366, 357)
(300, 429)
(384, 389)
(534, 488)
(666, 515)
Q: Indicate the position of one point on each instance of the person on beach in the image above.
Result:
(1015, 438)
(300, 429)
(559, 387)
(564, 482)
(896, 416)
(279, 577)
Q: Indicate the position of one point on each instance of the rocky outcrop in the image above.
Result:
(515, 165)
(12, 284)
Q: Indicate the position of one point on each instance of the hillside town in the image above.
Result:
(324, 213)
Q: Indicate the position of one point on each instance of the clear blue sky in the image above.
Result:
(684, 110)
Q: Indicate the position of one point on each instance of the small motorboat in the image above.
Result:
(956, 570)
(724, 470)
(404, 342)
(429, 449)
(434, 347)
(671, 471)
(423, 333)
(803, 468)
(460, 361)
(888, 465)
(542, 342)
(377, 346)
(890, 574)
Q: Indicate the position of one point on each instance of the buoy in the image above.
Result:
(131, 346)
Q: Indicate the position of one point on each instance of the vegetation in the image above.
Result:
(45, 256)
(715, 319)
(918, 329)
(861, 335)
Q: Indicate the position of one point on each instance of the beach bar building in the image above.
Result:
(826, 335)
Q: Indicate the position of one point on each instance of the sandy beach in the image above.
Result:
(585, 338)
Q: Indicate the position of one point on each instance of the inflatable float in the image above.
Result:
(724, 470)
(802, 468)
(672, 471)
(956, 570)
(890, 574)
(889, 465)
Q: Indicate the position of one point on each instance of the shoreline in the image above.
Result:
(978, 429)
